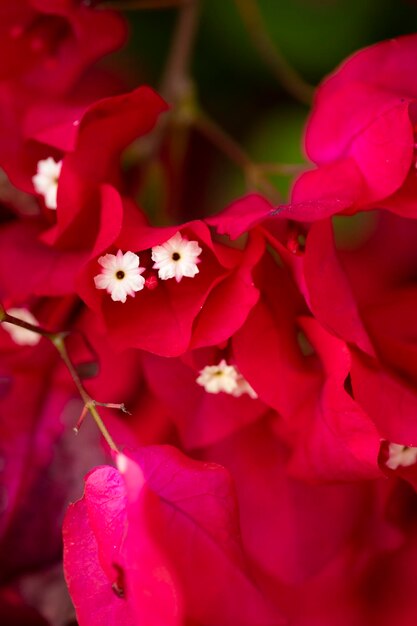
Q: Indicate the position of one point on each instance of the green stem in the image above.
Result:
(102, 427)
(288, 77)
(176, 85)
(176, 78)
(283, 169)
(5, 317)
(58, 340)
(59, 343)
(140, 5)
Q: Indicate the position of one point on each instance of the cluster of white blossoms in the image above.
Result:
(225, 378)
(22, 336)
(121, 274)
(401, 455)
(46, 179)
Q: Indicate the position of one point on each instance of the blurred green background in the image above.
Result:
(237, 88)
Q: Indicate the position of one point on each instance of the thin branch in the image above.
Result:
(10, 319)
(89, 403)
(219, 137)
(283, 169)
(176, 77)
(58, 340)
(176, 85)
(254, 175)
(141, 5)
(120, 406)
(269, 52)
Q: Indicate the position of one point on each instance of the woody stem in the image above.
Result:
(58, 340)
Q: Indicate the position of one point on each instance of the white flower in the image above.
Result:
(401, 455)
(217, 378)
(22, 336)
(226, 378)
(176, 258)
(120, 276)
(46, 180)
(244, 387)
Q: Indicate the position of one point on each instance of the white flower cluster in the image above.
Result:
(121, 273)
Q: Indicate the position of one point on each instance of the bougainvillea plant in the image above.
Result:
(239, 365)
